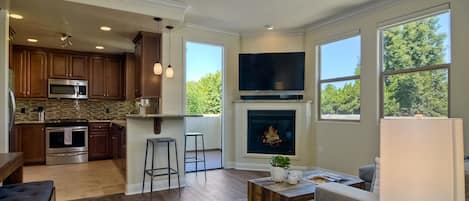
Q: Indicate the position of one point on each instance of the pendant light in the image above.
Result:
(169, 70)
(157, 67)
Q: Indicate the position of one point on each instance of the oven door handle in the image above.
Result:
(67, 154)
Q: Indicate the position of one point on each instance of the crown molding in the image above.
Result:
(211, 29)
(166, 9)
(349, 14)
(274, 32)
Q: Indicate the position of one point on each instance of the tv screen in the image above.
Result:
(272, 71)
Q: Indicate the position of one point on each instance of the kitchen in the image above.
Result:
(75, 78)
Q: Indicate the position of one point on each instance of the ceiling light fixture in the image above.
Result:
(169, 70)
(157, 67)
(16, 16)
(99, 47)
(269, 27)
(66, 39)
(32, 40)
(105, 28)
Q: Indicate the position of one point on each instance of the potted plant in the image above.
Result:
(280, 164)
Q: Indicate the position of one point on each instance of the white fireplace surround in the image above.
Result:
(253, 161)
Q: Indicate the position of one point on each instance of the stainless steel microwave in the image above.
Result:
(71, 89)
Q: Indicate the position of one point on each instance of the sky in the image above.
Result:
(340, 58)
(202, 59)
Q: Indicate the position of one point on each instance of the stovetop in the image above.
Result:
(66, 122)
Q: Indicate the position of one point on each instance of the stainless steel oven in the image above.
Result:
(66, 143)
(72, 89)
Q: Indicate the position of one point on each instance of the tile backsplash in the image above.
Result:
(75, 109)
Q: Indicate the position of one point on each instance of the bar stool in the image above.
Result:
(153, 172)
(195, 159)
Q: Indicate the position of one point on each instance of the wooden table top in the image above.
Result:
(304, 188)
(9, 163)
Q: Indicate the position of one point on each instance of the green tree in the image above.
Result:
(414, 45)
(205, 95)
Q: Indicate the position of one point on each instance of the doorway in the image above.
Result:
(204, 95)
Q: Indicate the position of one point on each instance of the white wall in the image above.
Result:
(345, 146)
(210, 126)
(4, 24)
(272, 42)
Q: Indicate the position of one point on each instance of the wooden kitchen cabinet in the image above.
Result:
(65, 65)
(147, 52)
(31, 140)
(98, 141)
(106, 78)
(30, 73)
(118, 146)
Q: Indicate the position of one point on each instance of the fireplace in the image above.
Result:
(271, 132)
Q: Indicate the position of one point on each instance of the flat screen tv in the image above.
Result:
(272, 71)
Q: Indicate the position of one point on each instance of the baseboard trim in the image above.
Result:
(158, 185)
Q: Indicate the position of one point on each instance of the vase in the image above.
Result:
(278, 174)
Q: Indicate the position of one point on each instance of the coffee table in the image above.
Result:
(264, 189)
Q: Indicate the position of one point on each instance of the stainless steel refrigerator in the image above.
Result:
(11, 111)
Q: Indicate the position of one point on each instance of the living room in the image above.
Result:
(341, 145)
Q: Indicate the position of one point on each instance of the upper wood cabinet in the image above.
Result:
(68, 66)
(106, 77)
(30, 73)
(147, 52)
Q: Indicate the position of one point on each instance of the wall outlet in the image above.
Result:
(108, 111)
(23, 110)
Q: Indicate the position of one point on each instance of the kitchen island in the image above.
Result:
(139, 129)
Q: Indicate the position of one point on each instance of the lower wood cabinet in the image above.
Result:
(31, 140)
(118, 146)
(98, 141)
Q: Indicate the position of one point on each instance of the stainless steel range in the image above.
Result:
(66, 141)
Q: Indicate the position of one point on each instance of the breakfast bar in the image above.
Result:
(139, 129)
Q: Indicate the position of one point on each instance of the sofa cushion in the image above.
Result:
(367, 172)
(37, 191)
(339, 192)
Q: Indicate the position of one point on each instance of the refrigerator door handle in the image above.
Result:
(13, 109)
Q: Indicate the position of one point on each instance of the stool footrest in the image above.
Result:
(194, 161)
(157, 172)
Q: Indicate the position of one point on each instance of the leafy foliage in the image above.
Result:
(280, 161)
(412, 45)
(204, 96)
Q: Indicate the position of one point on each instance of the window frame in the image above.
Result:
(336, 79)
(417, 69)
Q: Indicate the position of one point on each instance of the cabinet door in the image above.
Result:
(96, 81)
(37, 74)
(33, 143)
(98, 146)
(78, 68)
(20, 68)
(114, 78)
(58, 67)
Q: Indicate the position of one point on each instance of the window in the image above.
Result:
(415, 63)
(339, 80)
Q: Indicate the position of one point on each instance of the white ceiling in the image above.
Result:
(251, 15)
(46, 19)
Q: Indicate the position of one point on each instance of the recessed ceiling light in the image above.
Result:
(269, 27)
(99, 47)
(32, 40)
(16, 16)
(105, 28)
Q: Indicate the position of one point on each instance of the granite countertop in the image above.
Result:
(122, 123)
(29, 122)
(139, 116)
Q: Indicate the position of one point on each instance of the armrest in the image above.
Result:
(339, 192)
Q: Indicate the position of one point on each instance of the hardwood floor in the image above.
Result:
(75, 181)
(221, 185)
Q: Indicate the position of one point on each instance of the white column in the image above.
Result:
(4, 24)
